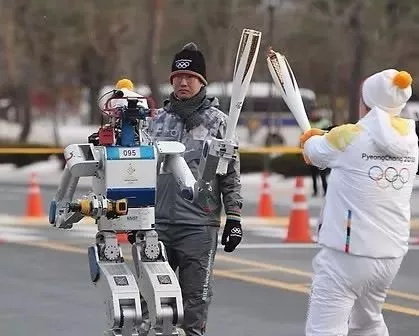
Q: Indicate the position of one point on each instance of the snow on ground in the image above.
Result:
(49, 172)
(42, 132)
(73, 131)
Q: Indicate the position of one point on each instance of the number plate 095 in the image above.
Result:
(129, 153)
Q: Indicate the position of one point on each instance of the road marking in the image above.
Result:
(298, 272)
(403, 295)
(300, 288)
(294, 287)
(262, 246)
(56, 247)
(414, 246)
(19, 234)
(257, 264)
(37, 221)
(252, 270)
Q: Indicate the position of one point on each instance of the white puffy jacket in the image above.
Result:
(374, 164)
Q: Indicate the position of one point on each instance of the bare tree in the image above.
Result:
(17, 43)
(359, 42)
(155, 8)
(105, 27)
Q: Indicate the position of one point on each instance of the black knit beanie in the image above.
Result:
(189, 61)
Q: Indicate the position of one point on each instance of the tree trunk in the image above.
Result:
(26, 73)
(95, 114)
(152, 49)
(92, 76)
(333, 91)
(228, 52)
(24, 108)
(356, 28)
(47, 64)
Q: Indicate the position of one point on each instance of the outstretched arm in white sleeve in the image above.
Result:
(324, 150)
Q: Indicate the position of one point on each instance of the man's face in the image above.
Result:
(186, 86)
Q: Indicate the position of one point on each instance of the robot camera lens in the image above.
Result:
(132, 103)
(118, 94)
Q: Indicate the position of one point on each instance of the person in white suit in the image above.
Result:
(365, 224)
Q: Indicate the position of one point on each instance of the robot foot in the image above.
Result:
(144, 330)
(118, 332)
(180, 332)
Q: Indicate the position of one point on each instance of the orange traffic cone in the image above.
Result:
(266, 208)
(299, 227)
(34, 206)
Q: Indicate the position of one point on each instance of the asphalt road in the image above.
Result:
(260, 289)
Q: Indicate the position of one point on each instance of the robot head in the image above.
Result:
(124, 84)
(123, 102)
(125, 109)
(114, 102)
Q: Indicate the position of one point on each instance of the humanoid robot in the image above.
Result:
(124, 162)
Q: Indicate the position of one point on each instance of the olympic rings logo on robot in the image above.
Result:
(183, 63)
(389, 176)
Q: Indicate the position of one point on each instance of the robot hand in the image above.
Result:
(62, 217)
(91, 206)
(213, 151)
(203, 196)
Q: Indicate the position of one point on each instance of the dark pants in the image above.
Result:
(191, 249)
(315, 172)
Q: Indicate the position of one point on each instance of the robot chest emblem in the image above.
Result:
(130, 173)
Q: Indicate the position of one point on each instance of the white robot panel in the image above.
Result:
(131, 170)
(130, 173)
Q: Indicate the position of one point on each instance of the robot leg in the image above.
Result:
(113, 276)
(158, 284)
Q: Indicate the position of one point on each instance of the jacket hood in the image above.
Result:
(392, 134)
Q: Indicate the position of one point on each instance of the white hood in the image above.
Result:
(378, 124)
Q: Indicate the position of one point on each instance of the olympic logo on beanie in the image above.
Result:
(388, 90)
(189, 61)
(183, 63)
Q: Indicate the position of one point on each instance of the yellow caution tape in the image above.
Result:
(244, 150)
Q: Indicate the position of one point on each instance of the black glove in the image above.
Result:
(232, 235)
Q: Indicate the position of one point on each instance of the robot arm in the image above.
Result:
(81, 160)
(191, 189)
(174, 163)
